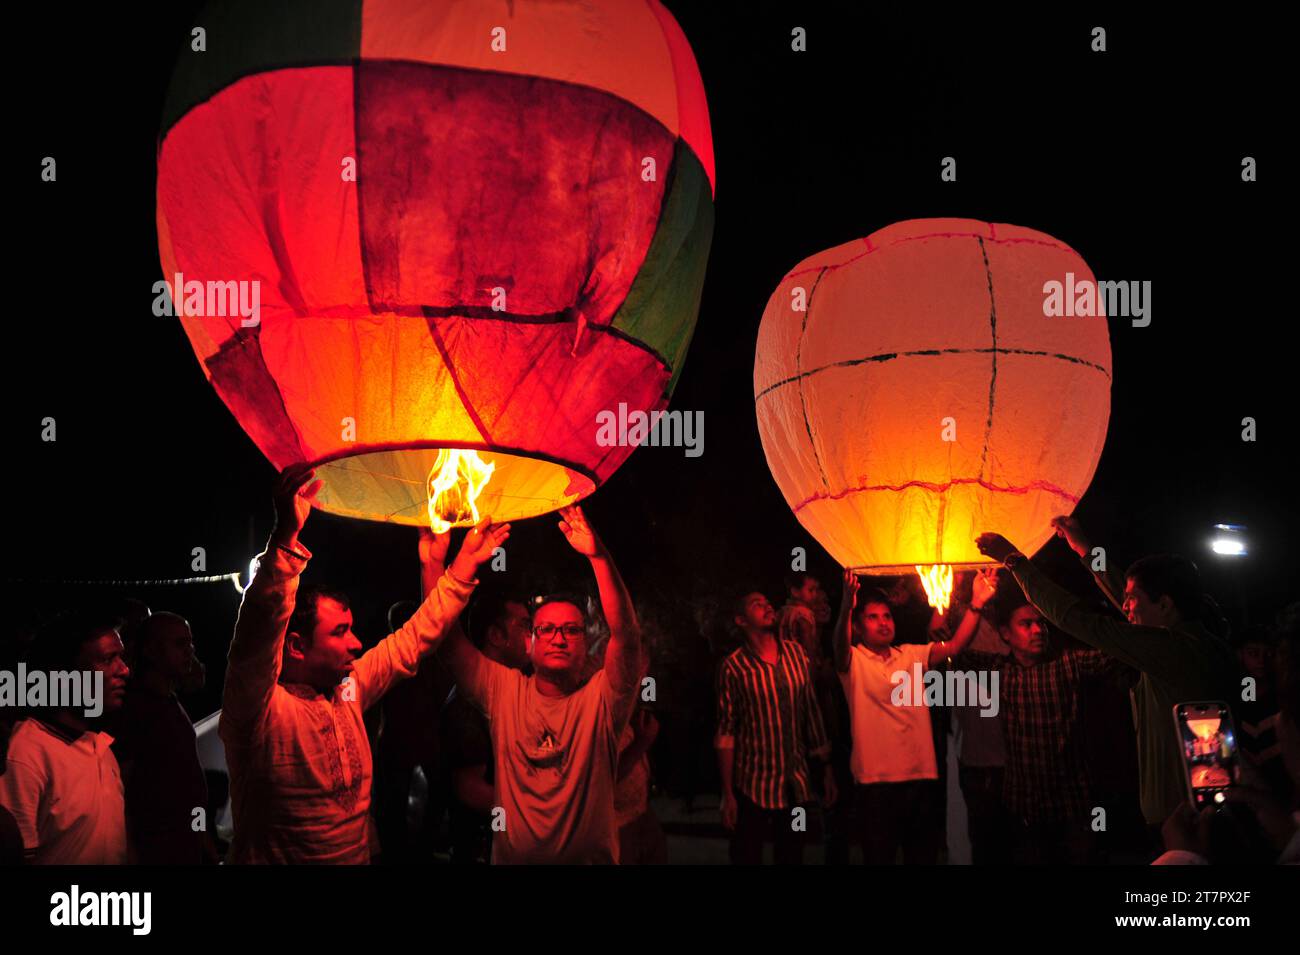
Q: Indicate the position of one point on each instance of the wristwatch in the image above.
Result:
(1013, 559)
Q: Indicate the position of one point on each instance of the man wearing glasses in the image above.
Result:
(554, 738)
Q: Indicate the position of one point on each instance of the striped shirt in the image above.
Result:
(769, 714)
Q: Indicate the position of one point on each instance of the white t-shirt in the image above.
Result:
(65, 793)
(891, 744)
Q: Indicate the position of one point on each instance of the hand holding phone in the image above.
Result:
(1207, 744)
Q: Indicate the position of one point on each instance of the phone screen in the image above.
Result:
(1209, 749)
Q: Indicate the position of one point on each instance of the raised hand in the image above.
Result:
(576, 530)
(295, 493)
(984, 588)
(1070, 528)
(433, 547)
(842, 635)
(478, 546)
(849, 596)
(995, 546)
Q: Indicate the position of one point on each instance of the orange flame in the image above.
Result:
(456, 480)
(937, 581)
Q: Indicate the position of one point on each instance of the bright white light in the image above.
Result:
(252, 571)
(1229, 540)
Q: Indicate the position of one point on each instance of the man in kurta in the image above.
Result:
(1166, 638)
(296, 689)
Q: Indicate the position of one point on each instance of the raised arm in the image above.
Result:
(1157, 651)
(983, 590)
(623, 658)
(398, 656)
(255, 651)
(1110, 581)
(433, 558)
(456, 652)
(842, 637)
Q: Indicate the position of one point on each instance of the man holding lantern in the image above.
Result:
(1167, 637)
(296, 689)
(554, 737)
(893, 763)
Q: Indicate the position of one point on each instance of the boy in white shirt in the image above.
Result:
(893, 761)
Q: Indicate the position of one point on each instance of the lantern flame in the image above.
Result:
(1204, 728)
(456, 480)
(937, 581)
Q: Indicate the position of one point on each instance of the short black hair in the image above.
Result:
(303, 619)
(132, 612)
(1009, 599)
(59, 643)
(489, 610)
(740, 601)
(139, 638)
(1161, 575)
(796, 579)
(578, 600)
(1256, 634)
(870, 595)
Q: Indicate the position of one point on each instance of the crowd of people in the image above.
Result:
(512, 729)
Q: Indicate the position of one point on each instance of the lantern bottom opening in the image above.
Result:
(391, 484)
(910, 568)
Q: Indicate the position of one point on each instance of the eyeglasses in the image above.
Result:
(570, 630)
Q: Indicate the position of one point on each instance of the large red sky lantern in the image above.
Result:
(912, 394)
(519, 242)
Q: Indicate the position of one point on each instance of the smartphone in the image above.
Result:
(1207, 741)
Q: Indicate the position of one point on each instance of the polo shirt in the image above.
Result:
(65, 792)
(891, 744)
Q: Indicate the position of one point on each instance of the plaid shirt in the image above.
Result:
(1047, 776)
(769, 713)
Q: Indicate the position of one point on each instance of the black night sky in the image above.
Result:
(1132, 157)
